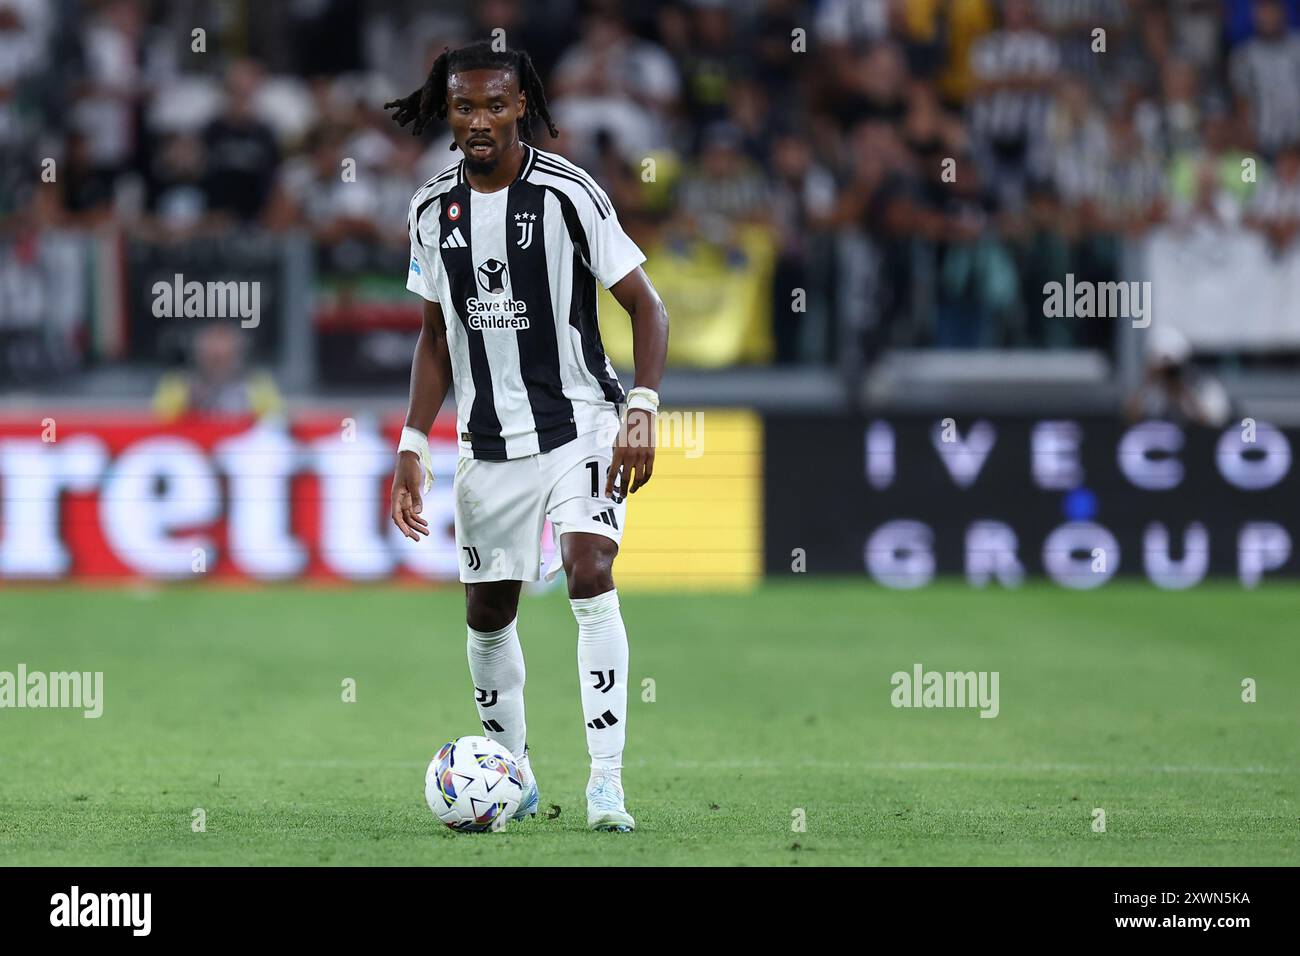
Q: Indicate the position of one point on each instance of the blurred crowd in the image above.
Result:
(981, 147)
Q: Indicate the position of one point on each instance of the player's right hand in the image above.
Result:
(406, 500)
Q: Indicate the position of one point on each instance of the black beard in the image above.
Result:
(480, 167)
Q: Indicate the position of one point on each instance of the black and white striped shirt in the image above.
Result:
(515, 272)
(1007, 114)
(1266, 72)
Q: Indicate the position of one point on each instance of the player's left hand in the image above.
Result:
(634, 455)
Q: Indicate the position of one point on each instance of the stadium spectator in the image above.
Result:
(723, 189)
(1015, 67)
(803, 197)
(241, 151)
(218, 382)
(1274, 209)
(1265, 73)
(1060, 151)
(1173, 388)
(613, 81)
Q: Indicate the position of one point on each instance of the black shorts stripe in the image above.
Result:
(539, 356)
(484, 425)
(582, 305)
(554, 169)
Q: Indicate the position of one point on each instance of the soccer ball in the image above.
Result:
(473, 784)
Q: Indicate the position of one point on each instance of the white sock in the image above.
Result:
(602, 671)
(496, 663)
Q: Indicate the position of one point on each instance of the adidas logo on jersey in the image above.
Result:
(455, 240)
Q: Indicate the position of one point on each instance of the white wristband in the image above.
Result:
(644, 398)
(417, 441)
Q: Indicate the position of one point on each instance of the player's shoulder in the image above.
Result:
(557, 172)
(436, 186)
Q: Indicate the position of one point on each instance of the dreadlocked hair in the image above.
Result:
(429, 102)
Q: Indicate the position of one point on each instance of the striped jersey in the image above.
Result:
(515, 272)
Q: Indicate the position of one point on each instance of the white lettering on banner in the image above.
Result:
(159, 486)
(1262, 546)
(279, 504)
(991, 554)
(964, 457)
(1256, 465)
(878, 452)
(261, 464)
(33, 477)
(353, 512)
(1146, 455)
(1068, 555)
(900, 554)
(1163, 570)
(1055, 455)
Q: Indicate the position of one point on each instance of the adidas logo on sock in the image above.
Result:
(604, 720)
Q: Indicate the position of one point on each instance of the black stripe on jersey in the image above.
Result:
(420, 212)
(530, 158)
(551, 168)
(539, 357)
(560, 163)
(582, 304)
(458, 262)
(585, 177)
(446, 174)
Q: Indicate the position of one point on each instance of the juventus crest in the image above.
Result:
(524, 223)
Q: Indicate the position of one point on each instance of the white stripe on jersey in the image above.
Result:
(488, 242)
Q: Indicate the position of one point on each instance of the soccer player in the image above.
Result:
(507, 245)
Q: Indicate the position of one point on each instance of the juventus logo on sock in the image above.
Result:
(482, 697)
(604, 684)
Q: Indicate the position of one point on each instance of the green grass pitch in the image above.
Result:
(1126, 699)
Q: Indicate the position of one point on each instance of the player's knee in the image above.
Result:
(488, 610)
(590, 574)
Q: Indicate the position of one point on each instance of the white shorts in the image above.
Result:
(502, 507)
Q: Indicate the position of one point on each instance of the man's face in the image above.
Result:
(1270, 18)
(483, 110)
(1018, 15)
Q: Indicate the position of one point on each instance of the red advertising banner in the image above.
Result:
(228, 498)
